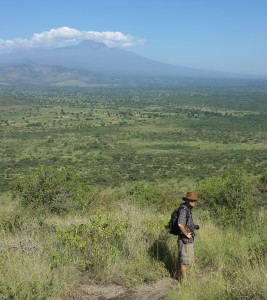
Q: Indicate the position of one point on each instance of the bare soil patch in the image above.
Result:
(155, 291)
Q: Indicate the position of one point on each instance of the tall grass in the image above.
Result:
(114, 244)
(228, 265)
(120, 237)
(25, 271)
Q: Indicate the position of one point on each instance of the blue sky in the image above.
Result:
(226, 35)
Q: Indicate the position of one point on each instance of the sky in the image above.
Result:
(221, 35)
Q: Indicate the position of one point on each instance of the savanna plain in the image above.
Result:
(90, 176)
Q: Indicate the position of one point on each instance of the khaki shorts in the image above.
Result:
(185, 253)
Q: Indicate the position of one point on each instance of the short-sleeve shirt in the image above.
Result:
(186, 219)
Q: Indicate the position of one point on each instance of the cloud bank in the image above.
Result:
(66, 36)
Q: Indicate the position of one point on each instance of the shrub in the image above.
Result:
(228, 197)
(51, 190)
(90, 245)
(157, 196)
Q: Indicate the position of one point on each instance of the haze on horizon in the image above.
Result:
(229, 36)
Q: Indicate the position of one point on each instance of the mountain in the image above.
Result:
(32, 74)
(88, 63)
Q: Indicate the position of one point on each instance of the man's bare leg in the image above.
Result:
(182, 272)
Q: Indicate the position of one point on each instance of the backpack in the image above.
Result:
(172, 226)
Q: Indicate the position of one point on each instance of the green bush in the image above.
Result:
(89, 245)
(157, 196)
(228, 197)
(51, 190)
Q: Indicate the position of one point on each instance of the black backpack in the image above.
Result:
(173, 223)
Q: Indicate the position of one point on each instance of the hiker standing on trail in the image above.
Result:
(186, 235)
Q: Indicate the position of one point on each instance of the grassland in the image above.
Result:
(119, 237)
(134, 154)
(113, 136)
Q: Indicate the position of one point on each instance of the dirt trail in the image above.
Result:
(153, 291)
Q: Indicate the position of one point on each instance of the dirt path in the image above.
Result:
(153, 291)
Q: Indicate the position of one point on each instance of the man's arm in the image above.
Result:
(182, 222)
(183, 230)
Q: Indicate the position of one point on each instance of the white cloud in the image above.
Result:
(66, 36)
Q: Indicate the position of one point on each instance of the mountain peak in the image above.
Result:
(91, 44)
(97, 57)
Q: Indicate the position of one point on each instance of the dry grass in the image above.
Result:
(227, 266)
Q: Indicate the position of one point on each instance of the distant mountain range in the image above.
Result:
(89, 63)
(51, 75)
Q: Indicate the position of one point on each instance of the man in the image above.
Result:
(186, 237)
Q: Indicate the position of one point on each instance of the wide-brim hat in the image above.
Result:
(190, 196)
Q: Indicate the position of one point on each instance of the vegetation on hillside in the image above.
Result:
(120, 135)
(89, 179)
(119, 236)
